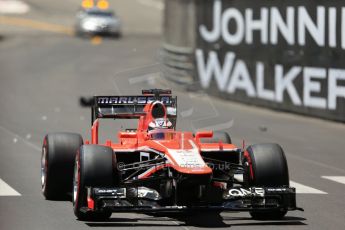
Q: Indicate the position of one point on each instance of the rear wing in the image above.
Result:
(129, 107)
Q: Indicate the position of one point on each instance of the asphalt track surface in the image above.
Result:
(43, 72)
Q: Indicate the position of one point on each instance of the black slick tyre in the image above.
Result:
(94, 167)
(269, 169)
(57, 164)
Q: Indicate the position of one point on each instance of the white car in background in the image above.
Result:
(95, 21)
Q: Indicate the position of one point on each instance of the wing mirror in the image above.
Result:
(127, 135)
(203, 134)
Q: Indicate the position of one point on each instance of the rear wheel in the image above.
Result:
(57, 163)
(218, 136)
(94, 167)
(269, 169)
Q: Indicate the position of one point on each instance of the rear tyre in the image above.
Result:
(57, 163)
(94, 167)
(269, 169)
(218, 136)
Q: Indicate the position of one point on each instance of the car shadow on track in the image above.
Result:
(287, 221)
(198, 220)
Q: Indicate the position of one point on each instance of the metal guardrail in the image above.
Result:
(178, 63)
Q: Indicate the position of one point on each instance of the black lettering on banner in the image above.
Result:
(274, 53)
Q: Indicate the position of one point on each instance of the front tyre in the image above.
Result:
(94, 167)
(268, 168)
(57, 163)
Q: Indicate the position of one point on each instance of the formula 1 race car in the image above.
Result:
(156, 169)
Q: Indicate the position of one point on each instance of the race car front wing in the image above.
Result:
(146, 200)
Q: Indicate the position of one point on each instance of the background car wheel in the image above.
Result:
(82, 34)
(94, 167)
(218, 136)
(117, 35)
(78, 33)
(269, 168)
(57, 163)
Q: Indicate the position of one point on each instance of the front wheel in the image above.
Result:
(267, 167)
(94, 167)
(57, 160)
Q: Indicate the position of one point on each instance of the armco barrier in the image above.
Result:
(178, 63)
(179, 40)
(286, 55)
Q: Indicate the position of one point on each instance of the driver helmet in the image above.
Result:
(158, 127)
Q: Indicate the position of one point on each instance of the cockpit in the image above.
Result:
(162, 134)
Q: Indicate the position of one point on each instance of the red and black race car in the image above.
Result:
(155, 169)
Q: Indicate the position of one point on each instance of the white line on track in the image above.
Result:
(20, 138)
(13, 7)
(184, 227)
(339, 179)
(144, 78)
(159, 5)
(6, 190)
(303, 189)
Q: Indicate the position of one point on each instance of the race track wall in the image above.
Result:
(286, 55)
